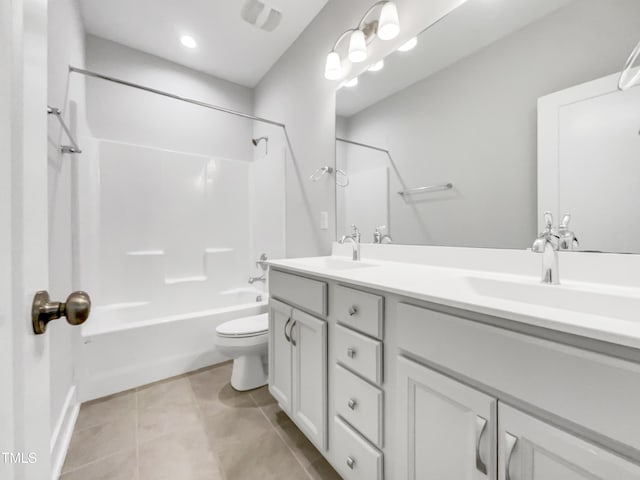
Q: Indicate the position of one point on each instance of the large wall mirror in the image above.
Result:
(503, 109)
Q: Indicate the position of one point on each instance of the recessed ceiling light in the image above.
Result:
(351, 83)
(376, 67)
(188, 41)
(410, 45)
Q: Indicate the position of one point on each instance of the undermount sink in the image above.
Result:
(332, 263)
(568, 298)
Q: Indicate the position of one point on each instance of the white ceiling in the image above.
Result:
(469, 28)
(228, 47)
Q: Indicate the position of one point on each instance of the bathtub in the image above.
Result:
(130, 344)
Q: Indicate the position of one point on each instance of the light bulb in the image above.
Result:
(410, 45)
(376, 67)
(388, 24)
(357, 47)
(188, 41)
(333, 67)
(351, 83)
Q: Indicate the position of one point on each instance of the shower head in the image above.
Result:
(256, 141)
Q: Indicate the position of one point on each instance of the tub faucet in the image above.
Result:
(261, 278)
(354, 238)
(547, 244)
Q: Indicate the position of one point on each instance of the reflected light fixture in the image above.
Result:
(385, 27)
(351, 83)
(409, 45)
(376, 67)
(188, 41)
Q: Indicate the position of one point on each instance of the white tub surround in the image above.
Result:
(461, 355)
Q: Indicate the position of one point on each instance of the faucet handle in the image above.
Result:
(565, 221)
(548, 220)
(355, 229)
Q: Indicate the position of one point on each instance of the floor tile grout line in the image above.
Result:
(295, 457)
(84, 465)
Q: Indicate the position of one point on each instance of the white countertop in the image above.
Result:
(603, 312)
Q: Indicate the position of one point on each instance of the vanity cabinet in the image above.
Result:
(298, 357)
(447, 430)
(531, 449)
(390, 387)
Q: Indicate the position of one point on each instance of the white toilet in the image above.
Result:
(245, 340)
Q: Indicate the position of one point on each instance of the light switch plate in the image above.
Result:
(324, 220)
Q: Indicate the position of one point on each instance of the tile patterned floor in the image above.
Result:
(191, 427)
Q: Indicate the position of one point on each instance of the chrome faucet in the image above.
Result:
(568, 239)
(261, 278)
(378, 237)
(547, 244)
(354, 238)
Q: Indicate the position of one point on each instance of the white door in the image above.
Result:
(24, 357)
(309, 341)
(534, 450)
(447, 430)
(280, 353)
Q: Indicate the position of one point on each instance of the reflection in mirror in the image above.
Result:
(503, 110)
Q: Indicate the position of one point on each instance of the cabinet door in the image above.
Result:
(280, 353)
(447, 430)
(531, 449)
(309, 341)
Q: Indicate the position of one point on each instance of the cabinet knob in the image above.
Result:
(352, 404)
(351, 462)
(351, 352)
(353, 310)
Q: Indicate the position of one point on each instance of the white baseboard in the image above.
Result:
(62, 432)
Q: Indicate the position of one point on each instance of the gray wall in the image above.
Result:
(474, 124)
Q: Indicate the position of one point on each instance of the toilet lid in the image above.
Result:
(244, 327)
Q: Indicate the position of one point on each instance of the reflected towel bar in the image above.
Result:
(430, 188)
(73, 148)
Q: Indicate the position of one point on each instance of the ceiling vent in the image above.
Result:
(260, 15)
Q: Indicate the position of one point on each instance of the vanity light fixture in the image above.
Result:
(188, 41)
(351, 83)
(376, 67)
(409, 45)
(357, 47)
(386, 27)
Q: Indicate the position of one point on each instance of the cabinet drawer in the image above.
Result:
(578, 385)
(310, 295)
(359, 403)
(359, 310)
(354, 457)
(361, 354)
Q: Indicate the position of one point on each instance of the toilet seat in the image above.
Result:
(253, 326)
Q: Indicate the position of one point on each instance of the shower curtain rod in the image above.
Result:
(89, 73)
(365, 145)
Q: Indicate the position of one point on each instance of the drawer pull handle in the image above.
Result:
(293, 340)
(353, 310)
(351, 352)
(352, 404)
(481, 426)
(287, 337)
(351, 463)
(510, 441)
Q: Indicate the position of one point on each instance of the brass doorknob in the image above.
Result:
(76, 309)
